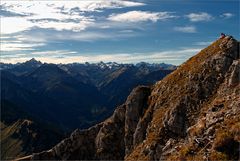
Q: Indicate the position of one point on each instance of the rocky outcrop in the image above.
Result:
(136, 105)
(110, 138)
(175, 119)
(72, 147)
(235, 73)
(192, 114)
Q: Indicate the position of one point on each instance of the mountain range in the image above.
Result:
(42, 102)
(191, 114)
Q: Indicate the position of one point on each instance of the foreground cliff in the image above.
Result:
(192, 114)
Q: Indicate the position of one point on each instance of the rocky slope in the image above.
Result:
(192, 114)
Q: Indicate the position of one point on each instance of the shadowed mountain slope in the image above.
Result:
(74, 95)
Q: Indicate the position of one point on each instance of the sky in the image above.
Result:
(123, 31)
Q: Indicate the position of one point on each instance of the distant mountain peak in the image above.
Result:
(107, 65)
(33, 62)
(33, 59)
(159, 65)
(49, 68)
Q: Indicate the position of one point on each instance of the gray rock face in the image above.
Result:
(136, 105)
(235, 74)
(141, 129)
(175, 120)
(71, 148)
(110, 138)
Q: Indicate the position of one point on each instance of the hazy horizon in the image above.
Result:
(88, 62)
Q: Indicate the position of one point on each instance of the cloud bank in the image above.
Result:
(60, 15)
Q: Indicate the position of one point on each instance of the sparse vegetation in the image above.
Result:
(218, 156)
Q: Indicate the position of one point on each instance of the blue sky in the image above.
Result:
(123, 31)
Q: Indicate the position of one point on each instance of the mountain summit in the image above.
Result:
(33, 61)
(192, 114)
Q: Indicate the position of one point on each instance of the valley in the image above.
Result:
(40, 100)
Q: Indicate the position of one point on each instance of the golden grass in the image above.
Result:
(10, 146)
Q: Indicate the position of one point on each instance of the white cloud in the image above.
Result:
(44, 7)
(84, 36)
(12, 46)
(140, 16)
(82, 25)
(52, 52)
(202, 16)
(186, 29)
(117, 25)
(41, 15)
(203, 43)
(98, 5)
(14, 24)
(226, 15)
